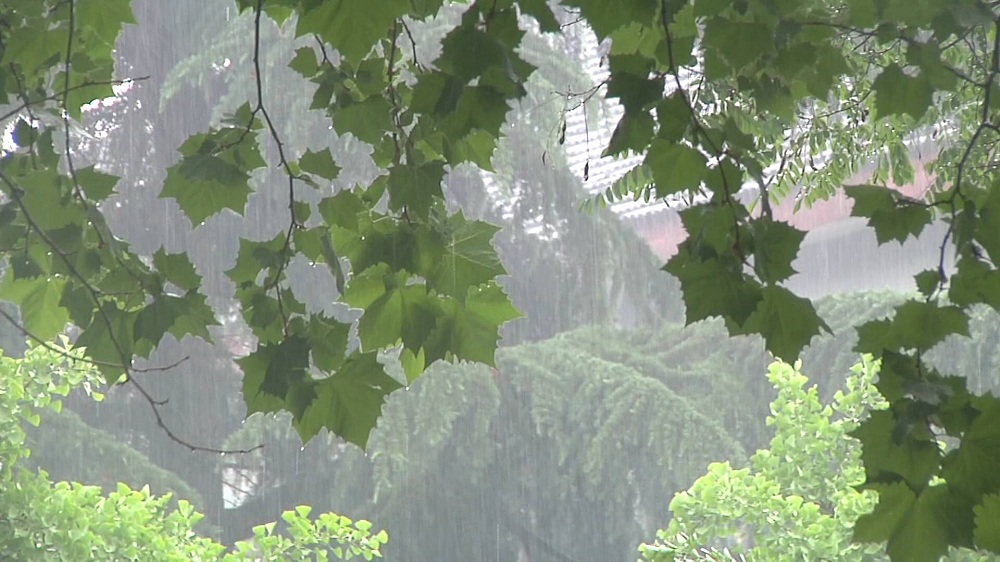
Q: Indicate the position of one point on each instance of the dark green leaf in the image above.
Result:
(305, 62)
(633, 133)
(913, 460)
(775, 245)
(416, 187)
(605, 17)
(786, 321)
(39, 300)
(890, 220)
(319, 163)
(97, 185)
(738, 43)
(177, 269)
(973, 469)
(927, 281)
(471, 332)
(987, 533)
(349, 402)
(351, 27)
(714, 287)
(539, 9)
(213, 173)
(897, 93)
(923, 325)
(676, 167)
(918, 528)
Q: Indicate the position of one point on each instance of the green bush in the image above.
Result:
(45, 521)
(796, 500)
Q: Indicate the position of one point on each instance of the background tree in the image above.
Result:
(731, 103)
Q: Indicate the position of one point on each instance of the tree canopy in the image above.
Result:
(733, 105)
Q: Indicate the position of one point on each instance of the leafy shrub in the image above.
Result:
(45, 521)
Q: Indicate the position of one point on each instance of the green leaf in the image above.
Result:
(98, 186)
(974, 282)
(605, 17)
(319, 163)
(633, 133)
(922, 325)
(918, 528)
(39, 301)
(890, 220)
(368, 120)
(177, 315)
(775, 245)
(328, 341)
(349, 402)
(539, 9)
(927, 281)
(255, 258)
(630, 83)
(487, 54)
(304, 62)
(987, 533)
(351, 27)
(786, 321)
(988, 231)
(270, 372)
(394, 308)
(973, 469)
(286, 365)
(178, 269)
(413, 363)
(897, 93)
(416, 187)
(714, 287)
(213, 173)
(738, 43)
(461, 256)
(913, 460)
(109, 340)
(676, 167)
(471, 331)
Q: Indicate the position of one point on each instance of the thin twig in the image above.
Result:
(27, 104)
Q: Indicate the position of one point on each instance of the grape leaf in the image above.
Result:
(471, 331)
(676, 167)
(466, 257)
(416, 187)
(918, 528)
(177, 315)
(897, 93)
(913, 460)
(39, 301)
(319, 163)
(178, 269)
(349, 402)
(714, 287)
(890, 220)
(974, 467)
(351, 27)
(214, 171)
(987, 532)
(97, 185)
(786, 321)
(605, 17)
(775, 245)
